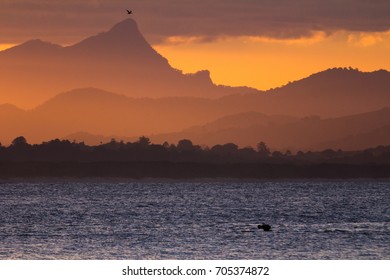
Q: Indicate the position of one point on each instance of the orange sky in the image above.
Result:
(265, 63)
(262, 44)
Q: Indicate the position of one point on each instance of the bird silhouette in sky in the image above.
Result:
(129, 12)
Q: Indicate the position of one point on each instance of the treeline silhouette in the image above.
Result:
(144, 159)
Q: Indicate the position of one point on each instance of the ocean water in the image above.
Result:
(90, 219)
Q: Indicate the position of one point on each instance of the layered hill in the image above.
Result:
(353, 132)
(122, 61)
(104, 113)
(205, 121)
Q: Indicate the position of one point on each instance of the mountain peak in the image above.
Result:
(127, 31)
(125, 26)
(122, 39)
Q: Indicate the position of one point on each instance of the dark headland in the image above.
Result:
(141, 159)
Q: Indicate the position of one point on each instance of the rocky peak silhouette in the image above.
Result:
(123, 40)
(128, 26)
(118, 60)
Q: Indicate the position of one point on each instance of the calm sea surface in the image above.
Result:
(195, 220)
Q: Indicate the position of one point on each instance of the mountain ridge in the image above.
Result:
(118, 60)
(367, 136)
(173, 118)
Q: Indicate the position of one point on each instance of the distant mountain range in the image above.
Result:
(281, 132)
(144, 95)
(121, 61)
(356, 132)
(205, 121)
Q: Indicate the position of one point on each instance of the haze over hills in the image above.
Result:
(281, 132)
(146, 96)
(101, 112)
(356, 132)
(119, 60)
(205, 121)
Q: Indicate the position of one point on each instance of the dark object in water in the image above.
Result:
(265, 227)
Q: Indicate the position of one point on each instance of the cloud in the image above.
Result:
(178, 40)
(69, 20)
(363, 39)
(315, 38)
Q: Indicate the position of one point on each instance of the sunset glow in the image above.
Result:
(90, 68)
(261, 44)
(261, 62)
(265, 63)
(195, 129)
(6, 46)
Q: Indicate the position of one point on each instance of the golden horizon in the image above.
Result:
(265, 63)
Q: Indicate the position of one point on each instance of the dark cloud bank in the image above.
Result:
(69, 20)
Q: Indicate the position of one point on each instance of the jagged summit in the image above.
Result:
(125, 26)
(124, 38)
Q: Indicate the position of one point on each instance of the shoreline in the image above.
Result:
(152, 171)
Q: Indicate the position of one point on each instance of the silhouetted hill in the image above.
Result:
(119, 60)
(339, 91)
(331, 93)
(333, 81)
(279, 132)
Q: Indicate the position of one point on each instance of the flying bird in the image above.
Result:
(129, 12)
